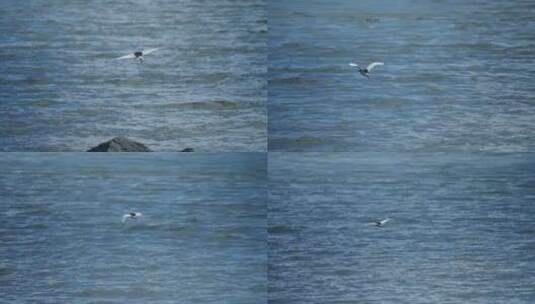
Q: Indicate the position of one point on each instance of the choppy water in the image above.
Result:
(62, 90)
(462, 228)
(202, 238)
(458, 75)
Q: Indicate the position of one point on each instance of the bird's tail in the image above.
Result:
(353, 64)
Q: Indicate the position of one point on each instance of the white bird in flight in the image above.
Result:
(138, 55)
(132, 215)
(381, 223)
(368, 69)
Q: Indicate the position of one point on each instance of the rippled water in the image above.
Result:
(202, 238)
(458, 75)
(461, 228)
(62, 90)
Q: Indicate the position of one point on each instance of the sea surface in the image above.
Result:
(458, 75)
(462, 228)
(61, 88)
(201, 239)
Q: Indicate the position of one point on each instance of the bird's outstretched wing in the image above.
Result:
(384, 221)
(374, 64)
(353, 64)
(150, 51)
(129, 56)
(125, 217)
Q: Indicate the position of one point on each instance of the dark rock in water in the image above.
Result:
(188, 150)
(120, 144)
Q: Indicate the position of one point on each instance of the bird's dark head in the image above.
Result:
(132, 214)
(138, 54)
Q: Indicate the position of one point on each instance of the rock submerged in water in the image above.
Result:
(120, 144)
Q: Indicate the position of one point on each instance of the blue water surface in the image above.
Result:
(61, 88)
(458, 75)
(201, 239)
(461, 231)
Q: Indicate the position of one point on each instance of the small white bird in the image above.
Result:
(132, 215)
(381, 223)
(138, 55)
(368, 69)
